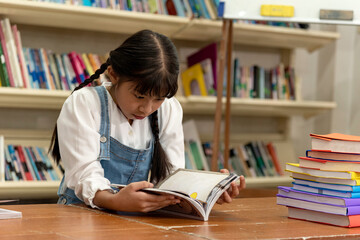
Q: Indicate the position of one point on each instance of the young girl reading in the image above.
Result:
(126, 132)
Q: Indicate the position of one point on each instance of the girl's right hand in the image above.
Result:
(131, 199)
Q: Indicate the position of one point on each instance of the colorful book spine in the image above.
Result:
(6, 56)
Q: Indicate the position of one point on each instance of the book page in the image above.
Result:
(196, 184)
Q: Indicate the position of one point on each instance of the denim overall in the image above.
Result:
(121, 164)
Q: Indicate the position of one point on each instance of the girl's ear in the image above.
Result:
(113, 77)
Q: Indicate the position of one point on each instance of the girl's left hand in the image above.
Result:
(233, 190)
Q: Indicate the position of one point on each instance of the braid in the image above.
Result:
(96, 75)
(160, 163)
(54, 144)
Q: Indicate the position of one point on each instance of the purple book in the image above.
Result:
(318, 202)
(210, 51)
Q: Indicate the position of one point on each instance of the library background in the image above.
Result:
(288, 80)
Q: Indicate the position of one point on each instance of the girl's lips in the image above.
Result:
(138, 117)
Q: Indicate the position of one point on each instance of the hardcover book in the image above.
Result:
(336, 142)
(197, 190)
(329, 165)
(326, 155)
(336, 187)
(294, 167)
(327, 218)
(328, 192)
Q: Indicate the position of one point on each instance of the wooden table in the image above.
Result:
(245, 218)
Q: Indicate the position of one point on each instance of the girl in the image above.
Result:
(122, 132)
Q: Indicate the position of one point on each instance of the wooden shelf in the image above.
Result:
(32, 98)
(53, 100)
(268, 182)
(48, 189)
(256, 107)
(180, 28)
(29, 190)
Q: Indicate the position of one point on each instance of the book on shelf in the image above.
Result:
(207, 52)
(197, 190)
(9, 214)
(322, 217)
(28, 163)
(193, 81)
(329, 165)
(192, 140)
(296, 168)
(336, 142)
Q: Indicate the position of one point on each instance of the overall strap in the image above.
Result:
(104, 124)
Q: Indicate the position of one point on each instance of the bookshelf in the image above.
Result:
(78, 21)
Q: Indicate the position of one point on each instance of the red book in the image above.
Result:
(170, 6)
(24, 165)
(275, 159)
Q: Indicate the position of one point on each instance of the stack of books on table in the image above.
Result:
(326, 186)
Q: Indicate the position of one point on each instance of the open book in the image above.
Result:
(198, 191)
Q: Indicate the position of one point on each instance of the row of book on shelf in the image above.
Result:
(207, 9)
(41, 68)
(200, 78)
(253, 159)
(23, 163)
(326, 182)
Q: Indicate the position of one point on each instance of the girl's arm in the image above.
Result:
(171, 132)
(130, 199)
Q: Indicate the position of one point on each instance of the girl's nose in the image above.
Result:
(145, 108)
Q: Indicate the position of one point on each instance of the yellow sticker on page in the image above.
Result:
(194, 195)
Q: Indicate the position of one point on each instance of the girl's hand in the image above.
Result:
(131, 199)
(233, 190)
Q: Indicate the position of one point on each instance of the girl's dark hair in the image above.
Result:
(148, 59)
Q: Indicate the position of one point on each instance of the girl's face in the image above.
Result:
(132, 104)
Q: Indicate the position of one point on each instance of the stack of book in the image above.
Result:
(326, 186)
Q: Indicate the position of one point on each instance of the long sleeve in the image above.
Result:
(79, 145)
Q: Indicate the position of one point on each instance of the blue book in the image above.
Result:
(179, 8)
(32, 162)
(330, 186)
(335, 193)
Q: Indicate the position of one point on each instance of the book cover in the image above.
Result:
(6, 59)
(336, 142)
(12, 55)
(274, 158)
(315, 206)
(318, 198)
(21, 58)
(191, 136)
(199, 191)
(193, 81)
(352, 182)
(294, 167)
(329, 165)
(9, 214)
(326, 155)
(330, 186)
(2, 159)
(76, 66)
(209, 51)
(327, 218)
(326, 191)
(26, 165)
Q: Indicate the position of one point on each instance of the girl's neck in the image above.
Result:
(111, 90)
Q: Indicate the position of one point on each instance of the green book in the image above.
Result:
(3, 71)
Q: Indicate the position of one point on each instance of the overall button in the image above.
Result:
(63, 201)
(103, 139)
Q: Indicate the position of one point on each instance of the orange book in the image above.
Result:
(274, 158)
(336, 142)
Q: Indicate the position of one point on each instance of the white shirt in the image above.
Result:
(79, 141)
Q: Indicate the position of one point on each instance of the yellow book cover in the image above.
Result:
(193, 81)
(295, 167)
